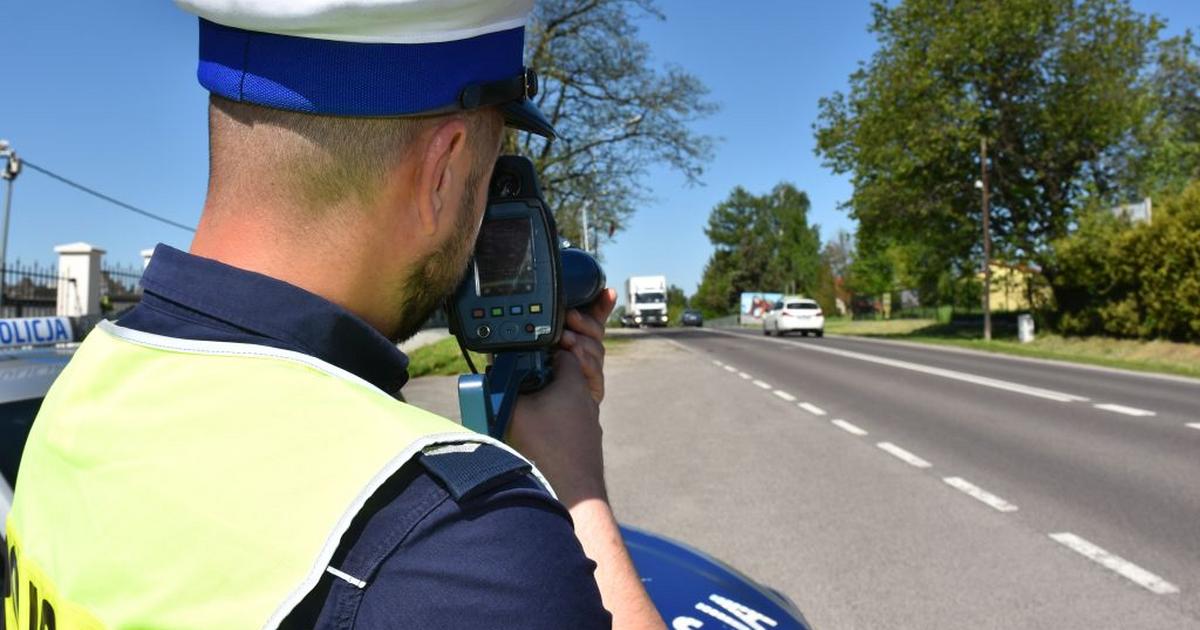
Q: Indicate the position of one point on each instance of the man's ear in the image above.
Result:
(441, 174)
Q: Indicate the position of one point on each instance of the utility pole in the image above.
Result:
(987, 242)
(584, 210)
(11, 168)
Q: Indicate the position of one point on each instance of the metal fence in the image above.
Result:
(120, 288)
(30, 290)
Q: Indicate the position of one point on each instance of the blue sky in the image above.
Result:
(105, 93)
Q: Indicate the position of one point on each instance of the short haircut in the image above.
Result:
(318, 160)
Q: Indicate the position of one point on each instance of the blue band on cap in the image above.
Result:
(350, 79)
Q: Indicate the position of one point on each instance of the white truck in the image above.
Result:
(646, 301)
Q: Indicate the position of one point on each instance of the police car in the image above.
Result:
(692, 590)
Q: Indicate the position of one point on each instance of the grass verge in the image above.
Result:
(443, 358)
(1146, 356)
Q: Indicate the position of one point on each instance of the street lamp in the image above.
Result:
(982, 185)
(12, 168)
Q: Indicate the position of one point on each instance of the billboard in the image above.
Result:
(755, 305)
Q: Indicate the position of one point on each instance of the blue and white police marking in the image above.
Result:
(728, 612)
(34, 331)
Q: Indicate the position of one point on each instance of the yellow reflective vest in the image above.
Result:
(171, 483)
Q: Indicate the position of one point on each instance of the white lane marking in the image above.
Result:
(903, 455)
(928, 369)
(811, 408)
(847, 427)
(975, 491)
(1194, 425)
(718, 363)
(730, 368)
(1129, 411)
(745, 375)
(784, 395)
(1125, 568)
(762, 384)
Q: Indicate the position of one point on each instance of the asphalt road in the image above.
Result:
(889, 486)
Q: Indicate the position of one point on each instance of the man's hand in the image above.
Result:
(558, 429)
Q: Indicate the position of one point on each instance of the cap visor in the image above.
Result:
(524, 115)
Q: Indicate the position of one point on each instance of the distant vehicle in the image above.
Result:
(692, 317)
(794, 314)
(646, 300)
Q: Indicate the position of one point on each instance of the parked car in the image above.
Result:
(25, 377)
(794, 314)
(692, 318)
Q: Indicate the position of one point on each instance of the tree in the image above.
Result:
(1133, 280)
(839, 253)
(1053, 85)
(615, 113)
(1164, 152)
(762, 243)
(833, 278)
(676, 302)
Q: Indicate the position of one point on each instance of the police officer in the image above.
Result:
(231, 454)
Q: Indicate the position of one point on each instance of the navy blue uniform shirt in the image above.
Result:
(504, 556)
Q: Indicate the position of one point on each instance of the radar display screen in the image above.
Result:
(504, 258)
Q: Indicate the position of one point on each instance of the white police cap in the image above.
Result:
(370, 57)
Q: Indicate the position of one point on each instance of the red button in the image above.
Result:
(477, 313)
(528, 328)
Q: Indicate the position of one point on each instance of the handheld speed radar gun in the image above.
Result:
(513, 299)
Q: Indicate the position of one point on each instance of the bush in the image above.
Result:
(1123, 280)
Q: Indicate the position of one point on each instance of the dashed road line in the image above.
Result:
(730, 368)
(1121, 566)
(929, 369)
(811, 408)
(1194, 425)
(1129, 411)
(784, 395)
(976, 492)
(762, 384)
(903, 455)
(718, 363)
(745, 375)
(847, 427)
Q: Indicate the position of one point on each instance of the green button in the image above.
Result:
(497, 311)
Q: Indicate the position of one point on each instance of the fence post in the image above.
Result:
(146, 254)
(79, 279)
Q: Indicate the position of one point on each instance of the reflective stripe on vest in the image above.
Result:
(171, 483)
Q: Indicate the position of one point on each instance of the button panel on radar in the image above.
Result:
(508, 330)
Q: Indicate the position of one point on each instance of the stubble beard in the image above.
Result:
(433, 278)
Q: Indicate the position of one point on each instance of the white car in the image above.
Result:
(794, 314)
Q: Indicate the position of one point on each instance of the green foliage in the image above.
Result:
(615, 111)
(1164, 153)
(441, 358)
(1052, 84)
(1124, 280)
(763, 243)
(716, 296)
(676, 302)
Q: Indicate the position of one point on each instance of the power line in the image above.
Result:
(95, 193)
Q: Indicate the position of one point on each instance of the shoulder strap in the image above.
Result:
(471, 468)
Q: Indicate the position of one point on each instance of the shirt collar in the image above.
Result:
(282, 312)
